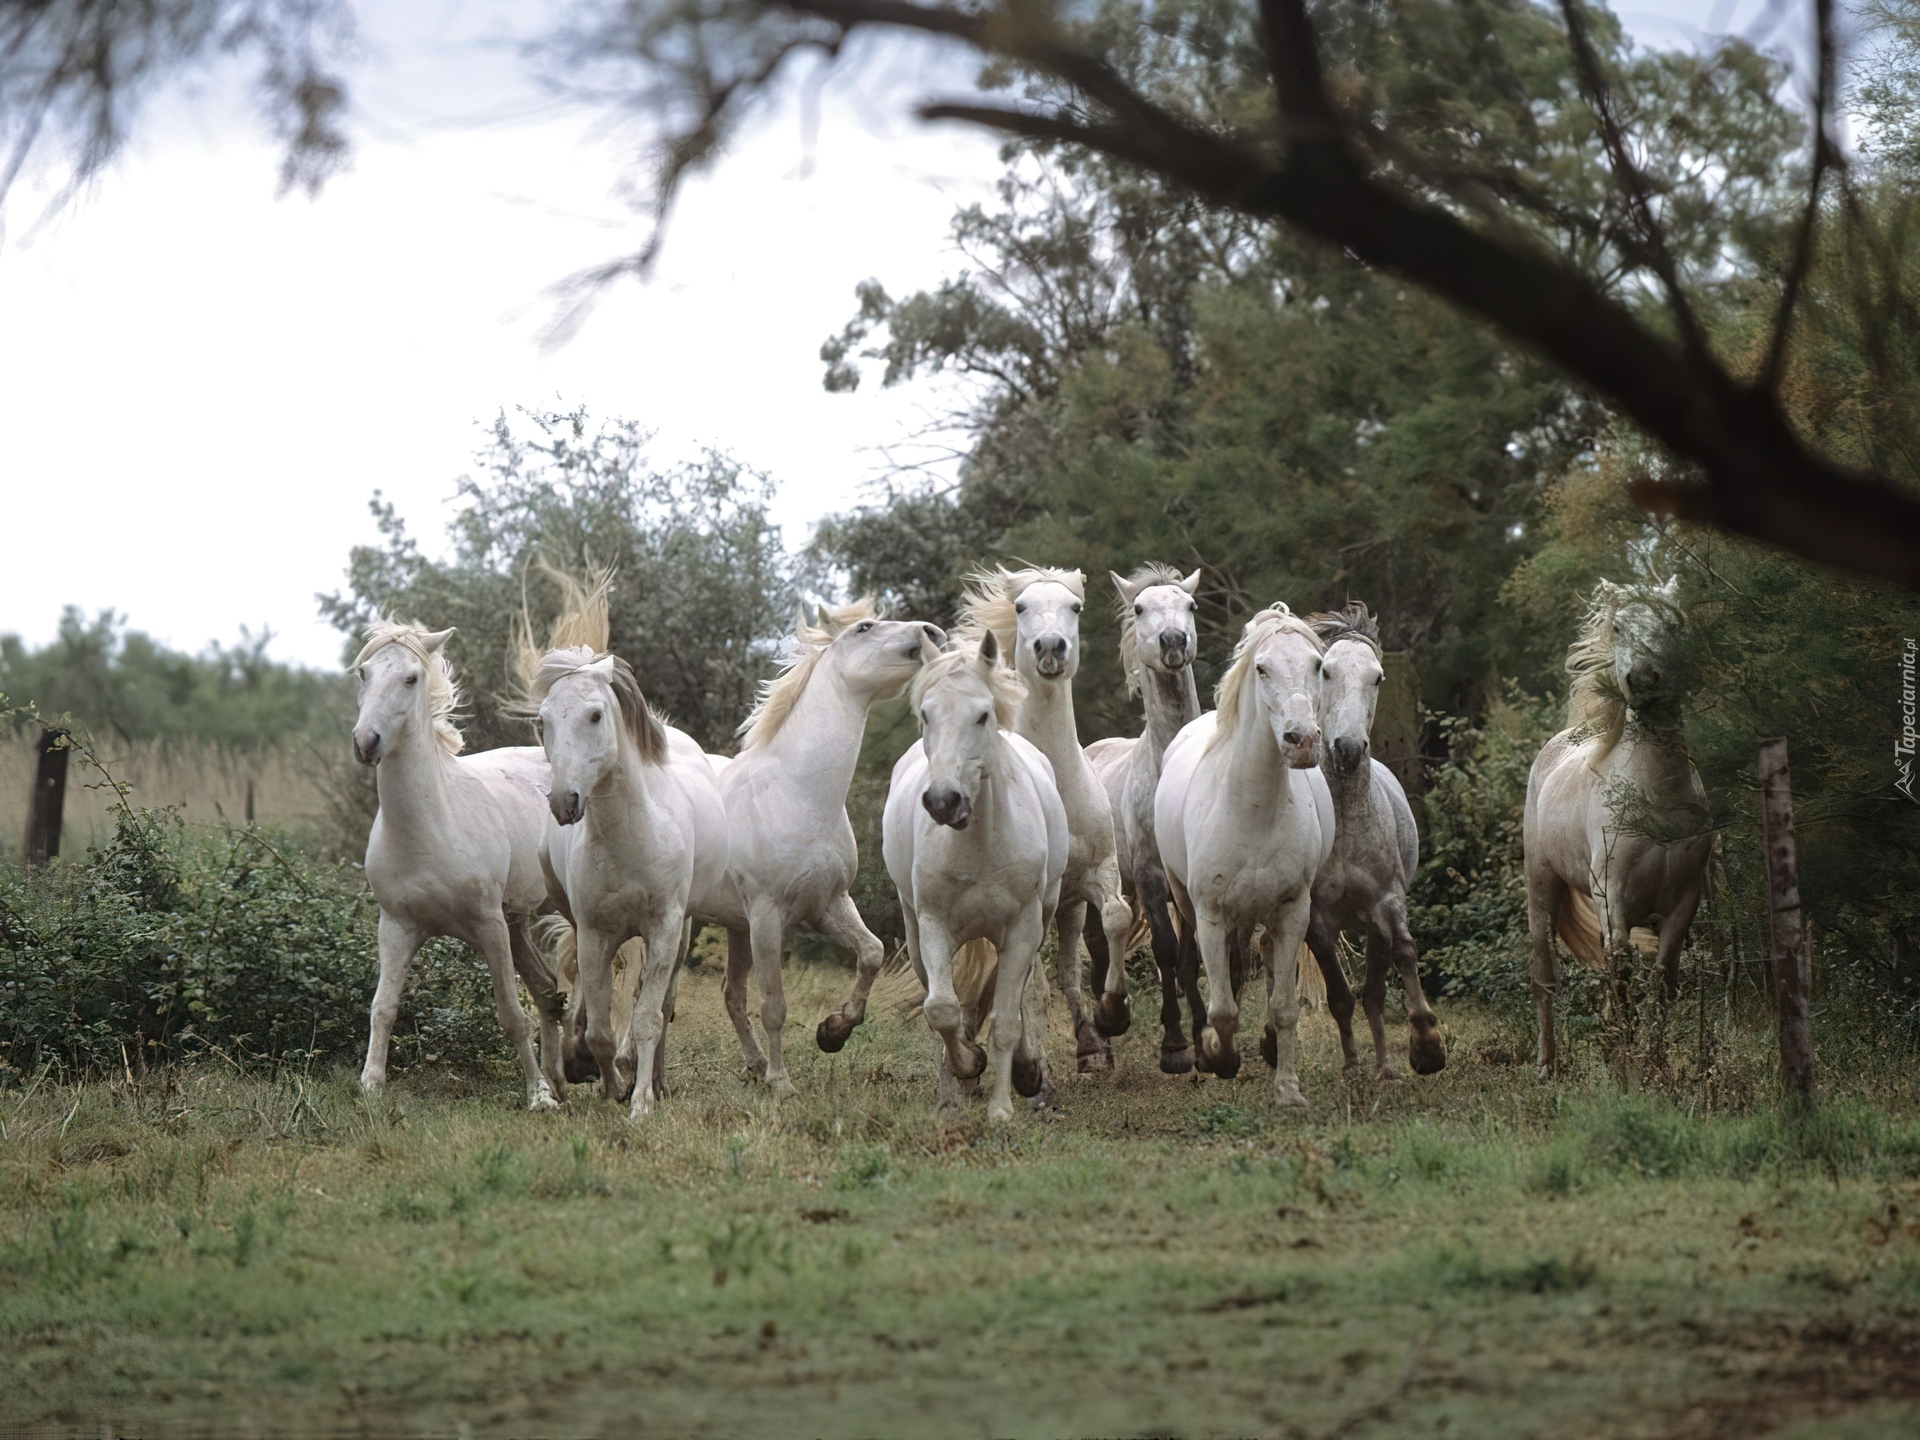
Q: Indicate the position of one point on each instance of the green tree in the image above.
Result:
(703, 588)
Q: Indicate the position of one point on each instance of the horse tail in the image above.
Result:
(1141, 932)
(1310, 985)
(975, 964)
(1577, 924)
(898, 988)
(554, 932)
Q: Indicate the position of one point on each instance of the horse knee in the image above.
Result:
(773, 1012)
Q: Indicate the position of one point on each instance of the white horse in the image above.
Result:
(975, 839)
(1034, 615)
(455, 847)
(652, 849)
(1158, 642)
(1244, 822)
(1376, 848)
(1615, 809)
(793, 856)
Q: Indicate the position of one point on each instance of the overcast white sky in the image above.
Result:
(201, 385)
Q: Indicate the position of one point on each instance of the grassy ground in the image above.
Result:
(1469, 1254)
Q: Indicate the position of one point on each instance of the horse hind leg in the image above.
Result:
(547, 1001)
(733, 991)
(1091, 1053)
(496, 946)
(1323, 941)
(1426, 1047)
(1176, 1054)
(841, 923)
(1114, 926)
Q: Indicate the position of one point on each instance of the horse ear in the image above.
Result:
(989, 649)
(1192, 583)
(1123, 585)
(602, 666)
(928, 650)
(435, 639)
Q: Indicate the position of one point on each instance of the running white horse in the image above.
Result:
(1376, 848)
(1244, 822)
(1158, 642)
(975, 839)
(455, 848)
(1034, 615)
(1615, 809)
(652, 849)
(793, 856)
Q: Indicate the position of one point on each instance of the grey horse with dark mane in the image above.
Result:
(1376, 847)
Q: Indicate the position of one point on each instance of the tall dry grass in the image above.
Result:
(297, 786)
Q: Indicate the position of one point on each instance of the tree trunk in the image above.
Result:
(48, 800)
(1783, 907)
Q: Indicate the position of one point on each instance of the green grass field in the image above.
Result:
(1470, 1254)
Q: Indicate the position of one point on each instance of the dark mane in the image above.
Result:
(1353, 621)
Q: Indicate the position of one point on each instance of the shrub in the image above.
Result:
(166, 942)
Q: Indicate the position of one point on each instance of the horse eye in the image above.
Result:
(1260, 670)
(1193, 607)
(862, 629)
(981, 721)
(594, 717)
(1076, 608)
(1020, 607)
(1139, 609)
(1379, 679)
(413, 679)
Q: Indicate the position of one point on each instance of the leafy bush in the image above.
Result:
(1468, 902)
(167, 942)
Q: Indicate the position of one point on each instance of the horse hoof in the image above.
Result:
(781, 1085)
(579, 1066)
(1111, 1016)
(1094, 1062)
(1270, 1049)
(972, 1063)
(1427, 1054)
(1228, 1065)
(1027, 1076)
(542, 1100)
(1176, 1062)
(1291, 1099)
(833, 1032)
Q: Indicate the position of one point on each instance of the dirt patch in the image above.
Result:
(1812, 1374)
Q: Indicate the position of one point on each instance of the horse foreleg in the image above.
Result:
(496, 945)
(595, 952)
(1113, 924)
(1426, 1050)
(1090, 1054)
(961, 1058)
(768, 934)
(1216, 1048)
(1373, 1000)
(1285, 933)
(648, 1028)
(1324, 941)
(399, 943)
(840, 922)
(547, 1001)
(733, 990)
(1016, 955)
(1176, 1055)
(1543, 896)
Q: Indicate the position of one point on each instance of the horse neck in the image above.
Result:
(411, 781)
(1172, 701)
(989, 807)
(1255, 766)
(1654, 749)
(819, 741)
(625, 815)
(1046, 716)
(1352, 793)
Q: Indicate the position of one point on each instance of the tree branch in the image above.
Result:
(1823, 156)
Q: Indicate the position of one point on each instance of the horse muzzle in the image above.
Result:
(1300, 745)
(1174, 651)
(947, 807)
(367, 750)
(567, 807)
(1050, 656)
(1348, 754)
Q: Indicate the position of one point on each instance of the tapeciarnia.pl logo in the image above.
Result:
(1903, 747)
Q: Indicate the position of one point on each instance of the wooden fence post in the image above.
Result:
(1783, 908)
(48, 800)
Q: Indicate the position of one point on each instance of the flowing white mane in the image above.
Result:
(989, 600)
(443, 694)
(1276, 619)
(779, 695)
(1145, 577)
(1007, 688)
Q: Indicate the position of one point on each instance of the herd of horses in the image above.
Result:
(1261, 829)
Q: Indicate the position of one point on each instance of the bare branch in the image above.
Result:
(1823, 157)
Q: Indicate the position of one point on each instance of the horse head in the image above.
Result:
(1046, 617)
(588, 713)
(1281, 659)
(404, 685)
(881, 657)
(1162, 614)
(1351, 674)
(963, 697)
(1646, 626)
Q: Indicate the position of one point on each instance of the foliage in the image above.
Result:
(1467, 905)
(702, 591)
(121, 682)
(167, 943)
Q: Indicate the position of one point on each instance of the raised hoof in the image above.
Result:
(833, 1033)
(1427, 1054)
(970, 1063)
(1228, 1065)
(1027, 1076)
(1111, 1016)
(1270, 1049)
(1176, 1062)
